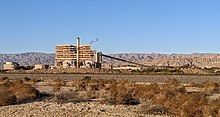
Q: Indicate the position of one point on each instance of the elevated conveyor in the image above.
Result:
(119, 59)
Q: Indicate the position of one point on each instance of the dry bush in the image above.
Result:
(60, 81)
(4, 79)
(210, 111)
(87, 78)
(146, 92)
(155, 110)
(193, 84)
(56, 88)
(68, 97)
(172, 82)
(57, 84)
(212, 108)
(33, 81)
(79, 84)
(120, 93)
(7, 84)
(170, 98)
(26, 79)
(211, 87)
(187, 104)
(6, 97)
(23, 92)
(17, 82)
(16, 92)
(90, 84)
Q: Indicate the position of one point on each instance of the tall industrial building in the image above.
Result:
(77, 56)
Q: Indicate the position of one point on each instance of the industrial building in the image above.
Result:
(10, 66)
(41, 66)
(77, 56)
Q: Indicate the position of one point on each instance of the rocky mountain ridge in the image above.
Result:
(153, 59)
(28, 59)
(196, 59)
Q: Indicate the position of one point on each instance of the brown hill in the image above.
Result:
(197, 59)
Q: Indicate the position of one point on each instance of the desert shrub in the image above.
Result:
(57, 84)
(172, 82)
(193, 84)
(7, 83)
(26, 79)
(87, 78)
(211, 87)
(56, 88)
(210, 111)
(17, 82)
(23, 92)
(67, 97)
(61, 81)
(169, 99)
(33, 81)
(16, 92)
(212, 108)
(92, 87)
(146, 92)
(101, 84)
(7, 98)
(79, 84)
(155, 110)
(89, 85)
(4, 79)
(186, 104)
(120, 93)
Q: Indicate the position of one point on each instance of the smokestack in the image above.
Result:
(77, 52)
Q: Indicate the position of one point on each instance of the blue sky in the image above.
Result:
(122, 26)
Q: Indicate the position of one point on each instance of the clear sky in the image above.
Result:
(122, 26)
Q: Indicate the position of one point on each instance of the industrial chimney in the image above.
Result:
(77, 52)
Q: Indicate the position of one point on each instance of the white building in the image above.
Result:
(10, 66)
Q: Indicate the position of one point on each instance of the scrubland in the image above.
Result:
(86, 96)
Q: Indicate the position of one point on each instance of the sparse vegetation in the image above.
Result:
(57, 83)
(16, 92)
(169, 98)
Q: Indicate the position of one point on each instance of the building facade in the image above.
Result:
(10, 66)
(75, 56)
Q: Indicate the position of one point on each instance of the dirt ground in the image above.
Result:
(137, 78)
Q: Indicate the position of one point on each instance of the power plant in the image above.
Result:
(77, 56)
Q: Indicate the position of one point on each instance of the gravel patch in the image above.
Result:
(84, 109)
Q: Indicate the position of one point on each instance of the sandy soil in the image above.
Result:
(83, 109)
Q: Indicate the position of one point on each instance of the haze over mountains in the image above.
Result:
(197, 59)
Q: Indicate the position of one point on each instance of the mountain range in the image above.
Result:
(153, 59)
(28, 59)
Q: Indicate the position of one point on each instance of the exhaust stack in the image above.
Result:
(77, 52)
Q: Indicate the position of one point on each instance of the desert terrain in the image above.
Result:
(92, 95)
